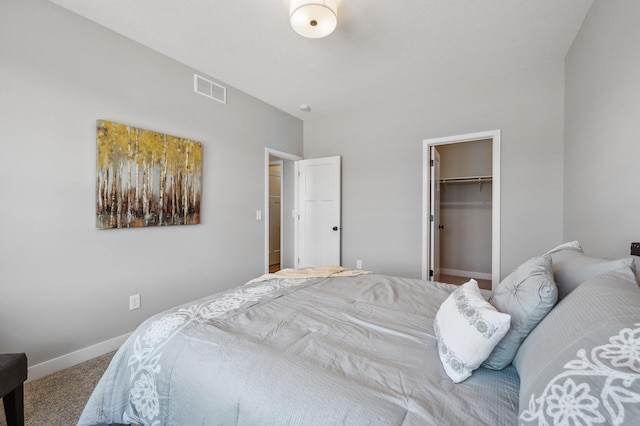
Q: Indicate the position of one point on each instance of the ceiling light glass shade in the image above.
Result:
(314, 19)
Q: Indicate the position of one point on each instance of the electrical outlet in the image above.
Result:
(134, 302)
(358, 264)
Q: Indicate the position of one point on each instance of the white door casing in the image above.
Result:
(495, 136)
(318, 205)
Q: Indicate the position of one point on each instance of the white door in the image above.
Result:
(318, 209)
(434, 250)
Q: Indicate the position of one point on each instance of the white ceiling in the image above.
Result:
(382, 49)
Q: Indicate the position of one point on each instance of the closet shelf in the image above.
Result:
(467, 179)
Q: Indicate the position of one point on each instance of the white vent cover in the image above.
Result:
(209, 89)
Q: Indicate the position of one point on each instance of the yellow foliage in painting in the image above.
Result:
(146, 178)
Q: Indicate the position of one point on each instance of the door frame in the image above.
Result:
(494, 135)
(285, 156)
(279, 162)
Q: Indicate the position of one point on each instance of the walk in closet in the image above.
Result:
(465, 216)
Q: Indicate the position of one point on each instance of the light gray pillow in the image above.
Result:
(571, 268)
(572, 245)
(527, 294)
(581, 365)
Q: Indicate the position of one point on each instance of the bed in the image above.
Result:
(351, 348)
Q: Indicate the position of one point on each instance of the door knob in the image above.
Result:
(335, 228)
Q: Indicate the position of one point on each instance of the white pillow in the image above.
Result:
(467, 328)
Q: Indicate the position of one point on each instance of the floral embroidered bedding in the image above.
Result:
(332, 351)
(361, 349)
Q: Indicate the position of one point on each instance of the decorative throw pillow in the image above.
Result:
(467, 328)
(581, 364)
(572, 245)
(527, 294)
(571, 267)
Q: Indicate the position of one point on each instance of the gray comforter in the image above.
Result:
(321, 351)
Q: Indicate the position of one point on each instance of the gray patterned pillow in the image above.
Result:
(581, 365)
(527, 294)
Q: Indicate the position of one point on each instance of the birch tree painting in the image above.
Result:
(146, 178)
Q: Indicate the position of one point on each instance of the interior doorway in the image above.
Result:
(279, 231)
(275, 214)
(461, 208)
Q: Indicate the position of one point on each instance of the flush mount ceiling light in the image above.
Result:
(314, 19)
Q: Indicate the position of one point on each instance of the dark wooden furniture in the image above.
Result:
(13, 373)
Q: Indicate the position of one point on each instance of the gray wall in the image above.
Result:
(381, 148)
(465, 240)
(63, 284)
(462, 159)
(602, 142)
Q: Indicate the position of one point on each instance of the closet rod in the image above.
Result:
(466, 179)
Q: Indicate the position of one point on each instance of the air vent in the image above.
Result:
(209, 89)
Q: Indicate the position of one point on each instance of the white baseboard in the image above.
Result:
(69, 360)
(469, 274)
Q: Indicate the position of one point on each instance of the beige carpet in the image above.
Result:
(58, 399)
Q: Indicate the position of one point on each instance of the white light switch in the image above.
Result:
(258, 214)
